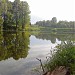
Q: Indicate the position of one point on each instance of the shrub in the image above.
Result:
(64, 55)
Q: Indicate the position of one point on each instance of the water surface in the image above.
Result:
(19, 50)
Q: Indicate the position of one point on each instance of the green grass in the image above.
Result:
(64, 56)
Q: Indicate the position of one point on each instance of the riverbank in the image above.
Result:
(51, 30)
(59, 71)
(62, 61)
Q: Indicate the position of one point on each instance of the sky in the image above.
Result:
(46, 9)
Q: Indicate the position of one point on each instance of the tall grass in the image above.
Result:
(64, 55)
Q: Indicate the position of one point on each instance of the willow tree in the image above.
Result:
(21, 13)
(6, 13)
(3, 11)
(25, 18)
(16, 5)
(14, 14)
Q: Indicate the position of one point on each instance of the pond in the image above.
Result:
(19, 50)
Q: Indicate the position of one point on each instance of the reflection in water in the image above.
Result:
(53, 37)
(14, 45)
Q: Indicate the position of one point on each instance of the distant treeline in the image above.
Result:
(14, 15)
(54, 24)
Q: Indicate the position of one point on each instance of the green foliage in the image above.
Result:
(1, 21)
(14, 13)
(51, 30)
(54, 24)
(64, 55)
(15, 45)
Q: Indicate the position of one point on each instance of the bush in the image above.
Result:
(64, 55)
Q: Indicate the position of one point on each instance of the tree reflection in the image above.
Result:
(14, 45)
(53, 37)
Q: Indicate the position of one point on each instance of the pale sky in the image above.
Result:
(46, 9)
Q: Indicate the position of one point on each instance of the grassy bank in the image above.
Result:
(63, 55)
(52, 30)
